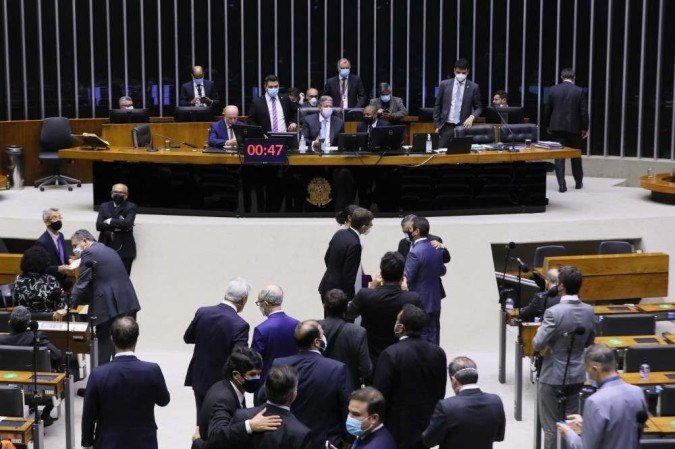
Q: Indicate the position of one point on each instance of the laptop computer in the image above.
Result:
(460, 145)
(419, 144)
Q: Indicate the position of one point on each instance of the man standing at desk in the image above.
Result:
(272, 112)
(221, 133)
(346, 89)
(116, 223)
(53, 241)
(198, 92)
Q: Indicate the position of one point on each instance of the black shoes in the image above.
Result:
(579, 185)
(562, 189)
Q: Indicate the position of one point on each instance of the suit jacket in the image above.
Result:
(471, 419)
(218, 133)
(423, 269)
(395, 106)
(119, 403)
(187, 92)
(411, 376)
(106, 284)
(119, 234)
(45, 241)
(323, 389)
(349, 346)
(404, 249)
(215, 331)
(471, 103)
(215, 417)
(311, 128)
(380, 439)
(258, 114)
(26, 339)
(539, 304)
(273, 339)
(567, 108)
(356, 94)
(292, 434)
(378, 308)
(342, 259)
(362, 127)
(559, 319)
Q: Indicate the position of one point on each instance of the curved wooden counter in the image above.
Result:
(661, 186)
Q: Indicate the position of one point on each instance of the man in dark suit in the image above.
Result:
(323, 389)
(272, 112)
(458, 103)
(216, 331)
(347, 342)
(411, 376)
(370, 120)
(221, 133)
(118, 410)
(470, 419)
(115, 223)
(104, 284)
(323, 128)
(567, 118)
(366, 409)
(275, 337)
(387, 106)
(199, 91)
(281, 390)
(542, 300)
(380, 305)
(343, 256)
(345, 89)
(423, 270)
(53, 241)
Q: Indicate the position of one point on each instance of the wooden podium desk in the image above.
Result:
(49, 384)
(622, 342)
(55, 331)
(661, 186)
(16, 430)
(661, 425)
(655, 378)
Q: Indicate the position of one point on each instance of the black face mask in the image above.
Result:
(118, 198)
(553, 291)
(56, 225)
(368, 120)
(410, 235)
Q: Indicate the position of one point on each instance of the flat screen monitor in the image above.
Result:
(193, 114)
(387, 138)
(352, 142)
(353, 114)
(242, 132)
(509, 114)
(129, 115)
(289, 139)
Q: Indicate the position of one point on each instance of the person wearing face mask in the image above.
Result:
(53, 241)
(126, 102)
(216, 331)
(406, 242)
(199, 91)
(610, 414)
(542, 300)
(346, 89)
(366, 420)
(458, 103)
(323, 128)
(311, 98)
(214, 420)
(323, 389)
(272, 111)
(387, 106)
(221, 133)
(471, 418)
(273, 338)
(115, 223)
(371, 119)
(411, 376)
(560, 324)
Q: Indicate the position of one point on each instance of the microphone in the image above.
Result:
(511, 245)
(523, 266)
(33, 325)
(508, 128)
(578, 331)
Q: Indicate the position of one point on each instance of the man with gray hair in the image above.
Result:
(346, 89)
(471, 418)
(216, 331)
(221, 133)
(126, 102)
(613, 414)
(273, 338)
(388, 107)
(542, 300)
(322, 129)
(53, 241)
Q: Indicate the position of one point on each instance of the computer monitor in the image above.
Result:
(425, 115)
(242, 132)
(353, 114)
(509, 114)
(193, 114)
(387, 138)
(352, 142)
(129, 115)
(290, 139)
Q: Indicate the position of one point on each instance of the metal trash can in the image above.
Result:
(14, 155)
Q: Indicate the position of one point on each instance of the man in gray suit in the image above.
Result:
(388, 107)
(571, 323)
(457, 104)
(347, 342)
(610, 419)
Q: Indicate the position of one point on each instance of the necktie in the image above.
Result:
(356, 443)
(62, 253)
(199, 89)
(457, 103)
(324, 128)
(243, 403)
(343, 89)
(274, 115)
(229, 133)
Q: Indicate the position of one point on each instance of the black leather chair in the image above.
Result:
(628, 324)
(20, 358)
(615, 247)
(481, 134)
(518, 133)
(141, 136)
(659, 357)
(667, 401)
(425, 115)
(543, 252)
(667, 443)
(11, 401)
(54, 136)
(3, 247)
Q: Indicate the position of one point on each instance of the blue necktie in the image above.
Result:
(324, 126)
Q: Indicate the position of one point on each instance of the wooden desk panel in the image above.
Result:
(55, 331)
(661, 182)
(664, 424)
(196, 133)
(621, 342)
(657, 307)
(51, 387)
(655, 378)
(22, 434)
(10, 266)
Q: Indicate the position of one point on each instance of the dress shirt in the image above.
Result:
(344, 101)
(231, 304)
(568, 298)
(456, 105)
(469, 387)
(125, 353)
(281, 120)
(240, 398)
(323, 120)
(421, 239)
(196, 90)
(55, 239)
(285, 407)
(358, 282)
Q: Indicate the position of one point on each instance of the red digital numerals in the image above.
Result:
(262, 150)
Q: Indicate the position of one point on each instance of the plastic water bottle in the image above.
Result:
(429, 145)
(508, 305)
(303, 144)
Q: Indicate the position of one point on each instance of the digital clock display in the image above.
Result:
(264, 151)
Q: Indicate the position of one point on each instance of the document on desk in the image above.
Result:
(51, 326)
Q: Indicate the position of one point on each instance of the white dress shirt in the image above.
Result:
(344, 101)
(240, 398)
(125, 353)
(231, 304)
(196, 90)
(456, 106)
(568, 298)
(281, 120)
(358, 282)
(469, 387)
(322, 120)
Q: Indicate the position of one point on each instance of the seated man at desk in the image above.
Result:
(371, 119)
(21, 336)
(542, 300)
(221, 133)
(389, 107)
(322, 129)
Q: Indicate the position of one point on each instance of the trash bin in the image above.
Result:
(14, 155)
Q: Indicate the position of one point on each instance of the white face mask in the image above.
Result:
(461, 77)
(326, 112)
(313, 101)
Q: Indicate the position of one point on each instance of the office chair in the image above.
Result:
(629, 324)
(141, 136)
(542, 252)
(54, 136)
(615, 247)
(11, 401)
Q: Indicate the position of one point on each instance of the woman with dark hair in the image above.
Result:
(344, 216)
(34, 288)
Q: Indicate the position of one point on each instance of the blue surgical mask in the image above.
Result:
(77, 251)
(326, 113)
(273, 92)
(199, 81)
(385, 98)
(354, 426)
(344, 73)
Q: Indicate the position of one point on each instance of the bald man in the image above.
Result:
(221, 133)
(199, 91)
(115, 222)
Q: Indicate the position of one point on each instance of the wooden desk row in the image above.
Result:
(661, 425)
(653, 308)
(49, 384)
(55, 331)
(16, 430)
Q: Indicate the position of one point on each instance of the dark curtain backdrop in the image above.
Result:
(75, 57)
